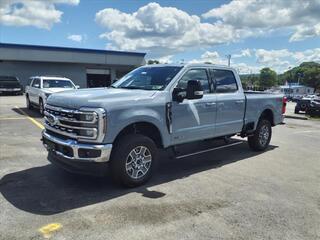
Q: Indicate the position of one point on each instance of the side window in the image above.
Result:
(36, 83)
(195, 74)
(225, 81)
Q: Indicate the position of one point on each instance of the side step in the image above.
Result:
(217, 147)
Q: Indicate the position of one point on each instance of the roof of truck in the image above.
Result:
(190, 65)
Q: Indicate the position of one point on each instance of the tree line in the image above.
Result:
(307, 73)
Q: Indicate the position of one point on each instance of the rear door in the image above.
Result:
(230, 102)
(194, 119)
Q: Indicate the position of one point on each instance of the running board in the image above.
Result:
(208, 150)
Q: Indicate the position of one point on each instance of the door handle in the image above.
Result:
(210, 104)
(239, 101)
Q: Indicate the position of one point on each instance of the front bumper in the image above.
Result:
(74, 151)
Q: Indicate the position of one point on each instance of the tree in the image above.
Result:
(307, 73)
(268, 78)
(150, 61)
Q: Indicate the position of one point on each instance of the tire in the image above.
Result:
(128, 167)
(41, 107)
(262, 136)
(29, 105)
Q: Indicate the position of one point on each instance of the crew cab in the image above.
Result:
(122, 128)
(41, 87)
(10, 85)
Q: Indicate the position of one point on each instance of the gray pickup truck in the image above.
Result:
(122, 128)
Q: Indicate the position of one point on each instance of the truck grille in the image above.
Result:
(85, 124)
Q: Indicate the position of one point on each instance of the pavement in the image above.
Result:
(232, 193)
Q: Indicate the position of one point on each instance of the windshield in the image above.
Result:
(57, 83)
(148, 78)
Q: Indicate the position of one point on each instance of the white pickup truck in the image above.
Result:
(41, 87)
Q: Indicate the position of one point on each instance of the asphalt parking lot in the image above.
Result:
(231, 193)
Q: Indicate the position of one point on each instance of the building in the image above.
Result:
(294, 90)
(85, 67)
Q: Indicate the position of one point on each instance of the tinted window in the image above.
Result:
(36, 81)
(225, 81)
(148, 78)
(195, 74)
(57, 83)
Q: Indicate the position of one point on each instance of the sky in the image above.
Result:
(279, 34)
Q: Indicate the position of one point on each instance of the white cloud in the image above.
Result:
(75, 37)
(299, 16)
(243, 53)
(162, 30)
(210, 57)
(37, 13)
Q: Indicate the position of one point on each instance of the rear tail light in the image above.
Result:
(284, 105)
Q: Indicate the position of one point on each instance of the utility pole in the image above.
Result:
(229, 58)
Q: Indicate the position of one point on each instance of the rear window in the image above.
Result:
(225, 81)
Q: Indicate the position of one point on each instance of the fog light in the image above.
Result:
(88, 117)
(88, 133)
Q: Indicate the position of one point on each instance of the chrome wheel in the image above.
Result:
(264, 135)
(41, 107)
(138, 162)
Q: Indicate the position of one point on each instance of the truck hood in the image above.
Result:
(98, 97)
(55, 90)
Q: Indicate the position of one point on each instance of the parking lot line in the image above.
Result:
(35, 122)
(12, 118)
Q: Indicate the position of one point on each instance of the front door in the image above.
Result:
(194, 119)
(230, 103)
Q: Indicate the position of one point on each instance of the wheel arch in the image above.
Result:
(145, 128)
(269, 115)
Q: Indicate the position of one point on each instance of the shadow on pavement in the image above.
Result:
(34, 113)
(47, 190)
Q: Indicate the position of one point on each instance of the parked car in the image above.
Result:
(314, 107)
(154, 107)
(41, 87)
(302, 105)
(10, 85)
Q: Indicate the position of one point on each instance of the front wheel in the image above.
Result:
(133, 160)
(262, 136)
(29, 106)
(41, 108)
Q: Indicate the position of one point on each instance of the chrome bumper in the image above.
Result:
(75, 146)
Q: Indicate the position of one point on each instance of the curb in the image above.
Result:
(296, 117)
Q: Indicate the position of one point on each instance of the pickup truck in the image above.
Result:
(41, 87)
(10, 85)
(122, 128)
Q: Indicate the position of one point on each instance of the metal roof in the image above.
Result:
(68, 49)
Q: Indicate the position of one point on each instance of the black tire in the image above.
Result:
(41, 107)
(122, 164)
(262, 136)
(29, 105)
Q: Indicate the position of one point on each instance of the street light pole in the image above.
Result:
(229, 59)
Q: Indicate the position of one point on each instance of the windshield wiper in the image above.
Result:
(133, 87)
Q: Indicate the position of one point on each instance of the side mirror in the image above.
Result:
(194, 89)
(37, 85)
(77, 86)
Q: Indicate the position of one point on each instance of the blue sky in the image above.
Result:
(276, 33)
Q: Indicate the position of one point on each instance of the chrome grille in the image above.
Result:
(85, 124)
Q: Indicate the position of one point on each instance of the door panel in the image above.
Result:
(194, 119)
(230, 111)
(230, 103)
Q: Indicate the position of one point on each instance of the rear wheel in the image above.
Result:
(133, 160)
(262, 136)
(29, 106)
